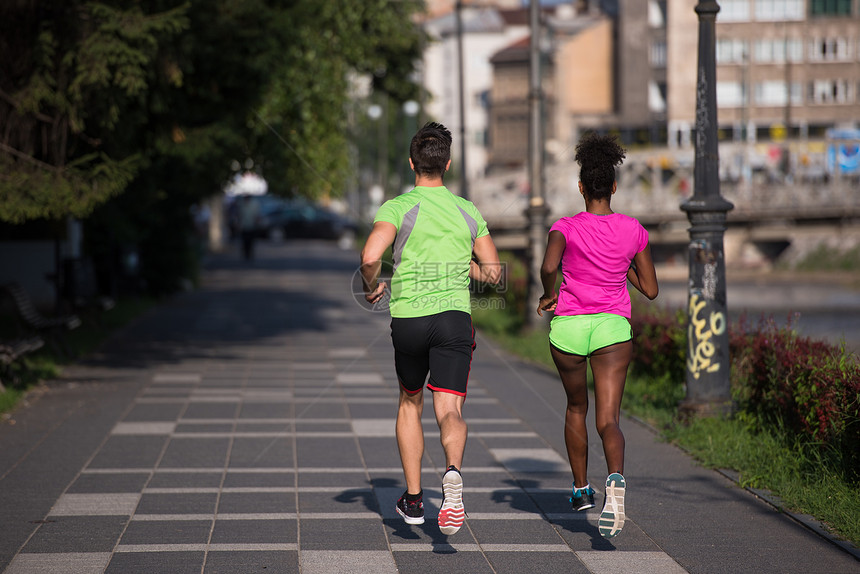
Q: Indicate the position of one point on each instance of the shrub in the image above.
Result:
(807, 388)
(659, 343)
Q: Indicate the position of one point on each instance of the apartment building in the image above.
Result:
(486, 29)
(785, 68)
(576, 84)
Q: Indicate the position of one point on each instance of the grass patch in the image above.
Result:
(47, 362)
(799, 474)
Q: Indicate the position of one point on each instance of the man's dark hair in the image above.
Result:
(430, 150)
(597, 156)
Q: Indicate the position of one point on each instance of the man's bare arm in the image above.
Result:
(381, 237)
(487, 268)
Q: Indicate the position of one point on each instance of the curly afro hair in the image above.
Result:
(597, 156)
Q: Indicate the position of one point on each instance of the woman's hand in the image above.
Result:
(547, 303)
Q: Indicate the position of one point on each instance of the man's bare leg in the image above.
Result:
(452, 428)
(410, 438)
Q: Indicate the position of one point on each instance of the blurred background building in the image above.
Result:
(788, 96)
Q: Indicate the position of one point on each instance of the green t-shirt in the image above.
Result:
(436, 232)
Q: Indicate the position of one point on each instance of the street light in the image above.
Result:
(707, 372)
(410, 111)
(376, 194)
(464, 177)
(537, 210)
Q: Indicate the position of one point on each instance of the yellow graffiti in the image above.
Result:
(699, 334)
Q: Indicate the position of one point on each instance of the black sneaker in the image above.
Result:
(582, 498)
(412, 512)
(452, 514)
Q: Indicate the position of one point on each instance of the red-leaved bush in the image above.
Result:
(807, 387)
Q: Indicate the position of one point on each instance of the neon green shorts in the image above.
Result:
(584, 334)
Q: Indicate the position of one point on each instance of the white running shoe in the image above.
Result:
(612, 518)
(452, 514)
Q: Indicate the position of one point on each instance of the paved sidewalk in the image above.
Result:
(249, 427)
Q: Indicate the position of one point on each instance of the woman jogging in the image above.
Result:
(599, 251)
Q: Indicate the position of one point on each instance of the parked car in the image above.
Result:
(305, 220)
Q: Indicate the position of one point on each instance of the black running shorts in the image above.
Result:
(440, 344)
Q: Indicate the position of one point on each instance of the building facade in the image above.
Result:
(786, 69)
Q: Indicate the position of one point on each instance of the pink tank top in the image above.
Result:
(597, 254)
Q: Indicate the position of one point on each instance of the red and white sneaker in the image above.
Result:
(452, 514)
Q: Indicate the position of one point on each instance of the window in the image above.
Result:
(730, 95)
(767, 51)
(734, 11)
(656, 97)
(778, 10)
(658, 54)
(830, 7)
(829, 49)
(772, 93)
(731, 51)
(657, 13)
(829, 92)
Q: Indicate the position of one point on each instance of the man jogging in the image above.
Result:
(435, 236)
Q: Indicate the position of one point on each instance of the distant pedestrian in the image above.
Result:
(249, 224)
(599, 251)
(435, 236)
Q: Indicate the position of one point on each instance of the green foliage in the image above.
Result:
(66, 76)
(824, 258)
(659, 342)
(128, 113)
(300, 127)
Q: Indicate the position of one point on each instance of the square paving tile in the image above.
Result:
(346, 501)
(326, 534)
(129, 452)
(149, 562)
(184, 503)
(275, 452)
(327, 453)
(255, 532)
(211, 411)
(67, 563)
(77, 534)
(519, 562)
(530, 459)
(164, 479)
(257, 502)
(347, 562)
(261, 479)
(196, 453)
(236, 562)
(442, 558)
(514, 532)
(109, 483)
(153, 412)
(167, 532)
(90, 504)
(265, 410)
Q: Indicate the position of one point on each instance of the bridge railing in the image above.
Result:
(764, 184)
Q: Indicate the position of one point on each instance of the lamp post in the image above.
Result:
(707, 372)
(377, 192)
(537, 209)
(464, 175)
(410, 111)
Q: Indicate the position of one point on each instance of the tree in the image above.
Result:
(127, 112)
(67, 72)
